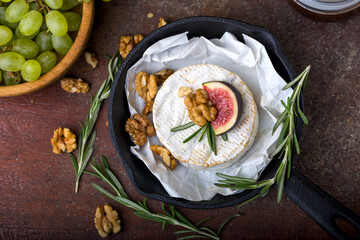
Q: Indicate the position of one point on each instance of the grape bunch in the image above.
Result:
(34, 35)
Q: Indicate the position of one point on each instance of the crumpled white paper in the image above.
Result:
(252, 63)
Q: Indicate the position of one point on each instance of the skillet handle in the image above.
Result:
(319, 205)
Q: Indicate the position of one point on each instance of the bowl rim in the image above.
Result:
(206, 204)
(62, 67)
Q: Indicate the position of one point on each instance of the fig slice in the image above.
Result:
(227, 100)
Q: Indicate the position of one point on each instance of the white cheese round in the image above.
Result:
(169, 111)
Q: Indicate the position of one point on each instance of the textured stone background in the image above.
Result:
(36, 191)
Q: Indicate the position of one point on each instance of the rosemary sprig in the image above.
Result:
(87, 135)
(286, 141)
(170, 216)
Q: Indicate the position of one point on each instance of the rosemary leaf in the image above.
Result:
(294, 81)
(193, 135)
(228, 177)
(249, 200)
(149, 217)
(279, 121)
(74, 162)
(280, 147)
(203, 131)
(208, 229)
(213, 139)
(303, 117)
(182, 127)
(183, 231)
(226, 221)
(286, 107)
(224, 137)
(296, 145)
(205, 219)
(283, 132)
(208, 134)
(281, 186)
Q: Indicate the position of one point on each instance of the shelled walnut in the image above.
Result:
(162, 75)
(107, 223)
(63, 140)
(73, 85)
(139, 127)
(127, 43)
(146, 86)
(200, 108)
(168, 159)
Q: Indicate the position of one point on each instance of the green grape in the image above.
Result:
(16, 10)
(19, 35)
(56, 23)
(68, 4)
(5, 35)
(30, 23)
(54, 4)
(84, 1)
(7, 47)
(33, 6)
(47, 61)
(61, 44)
(6, 1)
(12, 78)
(3, 20)
(106, 0)
(43, 39)
(31, 70)
(26, 47)
(11, 61)
(0, 6)
(73, 21)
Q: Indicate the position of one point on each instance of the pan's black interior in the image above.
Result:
(210, 27)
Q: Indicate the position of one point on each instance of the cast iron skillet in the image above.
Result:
(316, 203)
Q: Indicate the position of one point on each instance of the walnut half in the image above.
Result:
(63, 140)
(200, 107)
(146, 86)
(168, 159)
(127, 43)
(73, 85)
(139, 127)
(107, 223)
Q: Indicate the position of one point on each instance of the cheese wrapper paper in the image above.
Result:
(251, 62)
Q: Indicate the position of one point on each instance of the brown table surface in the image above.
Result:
(37, 199)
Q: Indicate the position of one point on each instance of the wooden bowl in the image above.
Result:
(64, 65)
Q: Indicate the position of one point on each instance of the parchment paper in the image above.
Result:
(252, 63)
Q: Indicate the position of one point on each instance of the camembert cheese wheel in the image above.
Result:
(169, 111)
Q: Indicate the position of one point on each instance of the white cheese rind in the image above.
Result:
(169, 111)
